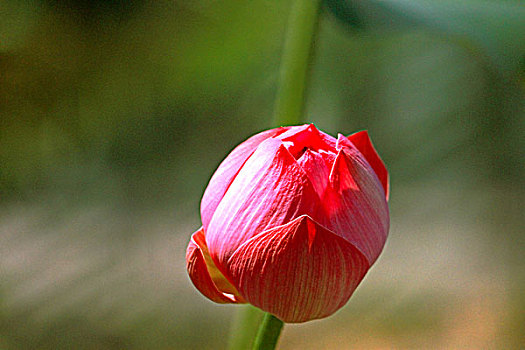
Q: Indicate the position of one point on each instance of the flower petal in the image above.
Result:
(271, 189)
(297, 138)
(362, 142)
(299, 271)
(317, 169)
(355, 205)
(228, 169)
(342, 141)
(328, 139)
(205, 276)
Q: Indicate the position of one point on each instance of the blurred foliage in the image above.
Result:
(114, 114)
(492, 27)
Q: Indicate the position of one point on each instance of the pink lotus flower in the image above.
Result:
(291, 222)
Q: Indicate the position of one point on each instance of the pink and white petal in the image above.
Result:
(354, 204)
(271, 189)
(228, 169)
(205, 276)
(362, 142)
(299, 271)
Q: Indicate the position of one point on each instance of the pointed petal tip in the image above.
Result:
(270, 190)
(355, 204)
(228, 170)
(361, 140)
(341, 177)
(299, 271)
(312, 127)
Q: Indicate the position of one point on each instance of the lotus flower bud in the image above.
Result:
(291, 222)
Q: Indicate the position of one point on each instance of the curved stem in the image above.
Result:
(268, 334)
(295, 62)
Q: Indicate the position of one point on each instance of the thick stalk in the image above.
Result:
(268, 334)
(296, 58)
(245, 327)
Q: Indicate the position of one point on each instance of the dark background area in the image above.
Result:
(114, 115)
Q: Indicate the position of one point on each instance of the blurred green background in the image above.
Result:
(114, 115)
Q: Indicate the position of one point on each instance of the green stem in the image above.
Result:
(245, 327)
(295, 62)
(269, 333)
(289, 106)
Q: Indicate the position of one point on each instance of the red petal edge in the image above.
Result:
(299, 271)
(306, 135)
(362, 142)
(355, 205)
(200, 272)
(270, 190)
(228, 169)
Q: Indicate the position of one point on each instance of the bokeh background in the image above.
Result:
(114, 115)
